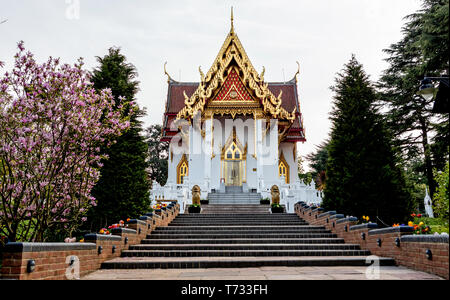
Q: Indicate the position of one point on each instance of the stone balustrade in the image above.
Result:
(72, 260)
(428, 253)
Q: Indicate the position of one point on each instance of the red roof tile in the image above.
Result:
(175, 102)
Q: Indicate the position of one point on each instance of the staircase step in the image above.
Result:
(238, 227)
(237, 262)
(273, 231)
(245, 247)
(246, 241)
(233, 253)
(242, 235)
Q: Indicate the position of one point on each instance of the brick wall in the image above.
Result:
(395, 242)
(53, 260)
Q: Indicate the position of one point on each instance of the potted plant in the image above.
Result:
(277, 208)
(194, 209)
(264, 201)
(203, 201)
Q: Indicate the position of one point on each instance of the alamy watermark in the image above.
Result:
(199, 137)
(373, 270)
(73, 269)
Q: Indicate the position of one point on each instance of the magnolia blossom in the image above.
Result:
(52, 124)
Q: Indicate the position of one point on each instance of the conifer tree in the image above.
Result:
(123, 188)
(363, 177)
(423, 51)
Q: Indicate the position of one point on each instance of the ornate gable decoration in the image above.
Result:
(232, 79)
(233, 90)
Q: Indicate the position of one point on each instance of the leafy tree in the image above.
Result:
(441, 197)
(423, 51)
(363, 177)
(123, 188)
(158, 153)
(51, 127)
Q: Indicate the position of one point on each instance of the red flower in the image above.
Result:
(419, 215)
(413, 215)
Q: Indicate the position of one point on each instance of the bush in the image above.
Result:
(194, 209)
(440, 197)
(438, 225)
(264, 201)
(277, 208)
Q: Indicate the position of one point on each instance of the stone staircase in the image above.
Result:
(234, 196)
(230, 236)
(233, 208)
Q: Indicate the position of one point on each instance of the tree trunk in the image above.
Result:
(427, 154)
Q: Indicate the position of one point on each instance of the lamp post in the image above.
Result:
(428, 91)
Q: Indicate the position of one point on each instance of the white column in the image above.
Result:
(207, 156)
(259, 156)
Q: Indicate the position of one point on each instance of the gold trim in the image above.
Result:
(286, 166)
(298, 71)
(165, 72)
(232, 51)
(183, 161)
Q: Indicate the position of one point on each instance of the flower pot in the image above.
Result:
(194, 209)
(277, 209)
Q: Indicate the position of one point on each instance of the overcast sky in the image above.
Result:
(320, 34)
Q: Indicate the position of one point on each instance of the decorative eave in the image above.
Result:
(232, 50)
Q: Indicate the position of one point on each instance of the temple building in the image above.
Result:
(233, 134)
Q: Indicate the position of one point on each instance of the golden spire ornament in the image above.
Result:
(232, 25)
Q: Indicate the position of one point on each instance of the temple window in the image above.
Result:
(182, 170)
(233, 152)
(283, 169)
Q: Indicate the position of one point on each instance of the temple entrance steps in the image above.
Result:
(221, 240)
(234, 196)
(235, 208)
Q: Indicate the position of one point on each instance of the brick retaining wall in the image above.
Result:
(53, 260)
(395, 242)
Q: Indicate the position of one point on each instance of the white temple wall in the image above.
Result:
(288, 151)
(196, 158)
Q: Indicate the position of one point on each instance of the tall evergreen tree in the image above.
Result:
(363, 177)
(123, 188)
(158, 153)
(423, 51)
(318, 162)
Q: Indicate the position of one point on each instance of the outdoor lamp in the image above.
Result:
(429, 254)
(427, 89)
(31, 265)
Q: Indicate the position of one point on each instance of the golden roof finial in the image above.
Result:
(165, 72)
(232, 26)
(298, 71)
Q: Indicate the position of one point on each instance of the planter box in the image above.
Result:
(264, 202)
(194, 209)
(276, 210)
(204, 201)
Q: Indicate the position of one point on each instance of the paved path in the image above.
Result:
(261, 273)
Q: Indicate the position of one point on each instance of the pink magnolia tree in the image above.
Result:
(52, 124)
